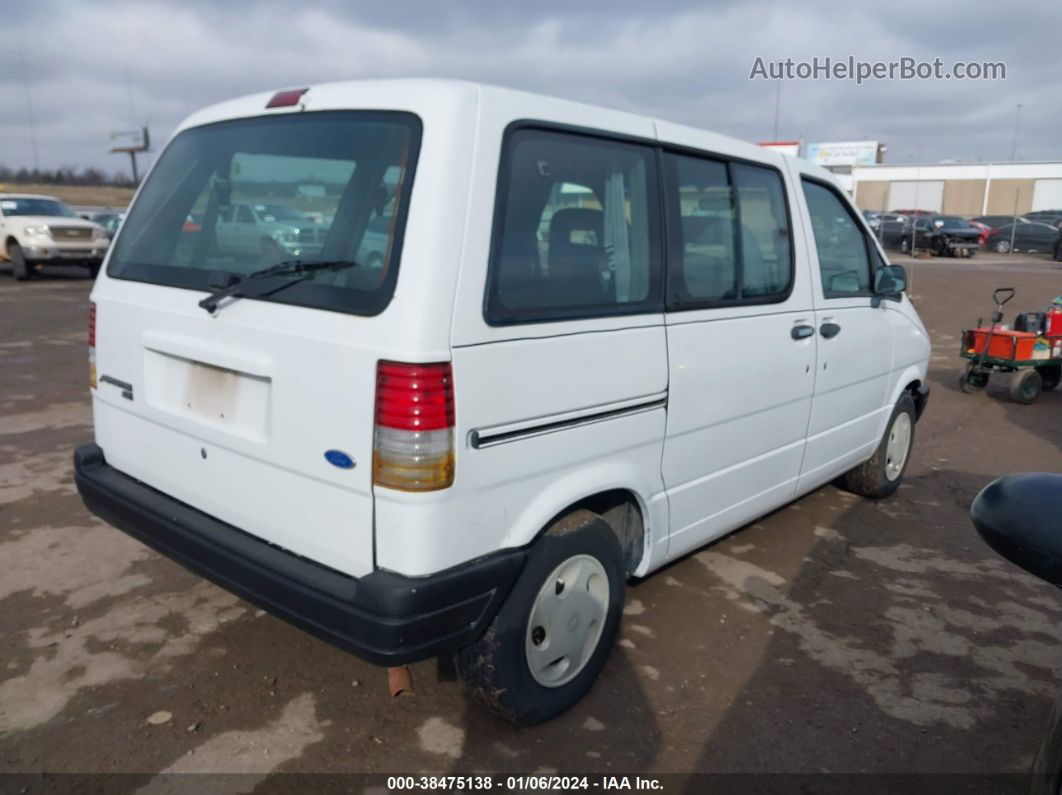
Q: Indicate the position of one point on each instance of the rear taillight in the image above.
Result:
(413, 442)
(92, 344)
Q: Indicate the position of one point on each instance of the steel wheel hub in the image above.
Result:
(566, 621)
(898, 446)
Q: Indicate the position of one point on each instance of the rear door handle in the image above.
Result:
(829, 330)
(801, 332)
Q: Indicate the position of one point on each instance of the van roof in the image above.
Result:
(409, 93)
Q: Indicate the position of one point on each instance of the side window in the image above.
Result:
(844, 262)
(576, 230)
(765, 251)
(728, 233)
(703, 253)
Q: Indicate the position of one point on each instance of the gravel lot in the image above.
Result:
(835, 635)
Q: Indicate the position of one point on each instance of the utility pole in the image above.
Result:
(777, 105)
(1014, 142)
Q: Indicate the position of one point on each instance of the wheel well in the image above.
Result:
(915, 390)
(7, 244)
(620, 509)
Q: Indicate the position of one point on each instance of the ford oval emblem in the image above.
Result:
(338, 458)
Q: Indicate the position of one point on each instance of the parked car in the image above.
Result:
(1026, 235)
(995, 221)
(110, 221)
(892, 228)
(984, 229)
(469, 450)
(944, 235)
(272, 232)
(1051, 217)
(41, 230)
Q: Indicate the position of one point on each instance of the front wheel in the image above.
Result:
(905, 246)
(973, 379)
(881, 475)
(19, 266)
(1001, 246)
(552, 636)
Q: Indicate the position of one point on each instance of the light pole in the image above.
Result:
(1014, 143)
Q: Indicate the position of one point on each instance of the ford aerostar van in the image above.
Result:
(503, 353)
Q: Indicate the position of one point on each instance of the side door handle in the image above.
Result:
(829, 330)
(801, 332)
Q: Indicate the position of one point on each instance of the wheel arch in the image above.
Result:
(618, 497)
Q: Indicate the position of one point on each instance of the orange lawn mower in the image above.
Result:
(1031, 352)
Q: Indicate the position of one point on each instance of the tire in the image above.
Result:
(1025, 386)
(1001, 246)
(1050, 375)
(882, 474)
(1058, 250)
(972, 381)
(19, 266)
(940, 248)
(905, 246)
(496, 671)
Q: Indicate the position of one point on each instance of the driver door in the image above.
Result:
(855, 338)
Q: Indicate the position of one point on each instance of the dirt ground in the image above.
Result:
(836, 635)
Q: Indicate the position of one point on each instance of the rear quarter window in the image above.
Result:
(576, 229)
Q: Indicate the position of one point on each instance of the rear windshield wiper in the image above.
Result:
(240, 287)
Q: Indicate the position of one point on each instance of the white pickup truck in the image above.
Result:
(41, 230)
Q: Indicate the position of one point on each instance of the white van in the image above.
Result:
(595, 342)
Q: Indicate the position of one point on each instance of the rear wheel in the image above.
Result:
(905, 245)
(1050, 375)
(881, 475)
(1025, 386)
(552, 636)
(973, 379)
(1001, 246)
(19, 266)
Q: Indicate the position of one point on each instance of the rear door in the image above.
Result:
(854, 334)
(233, 412)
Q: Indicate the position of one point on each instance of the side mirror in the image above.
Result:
(890, 280)
(1018, 516)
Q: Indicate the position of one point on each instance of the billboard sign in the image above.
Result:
(785, 147)
(844, 153)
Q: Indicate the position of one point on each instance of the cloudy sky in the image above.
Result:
(95, 67)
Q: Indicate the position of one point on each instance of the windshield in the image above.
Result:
(50, 207)
(235, 197)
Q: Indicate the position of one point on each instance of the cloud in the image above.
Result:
(93, 68)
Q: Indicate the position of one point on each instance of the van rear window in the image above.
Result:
(235, 197)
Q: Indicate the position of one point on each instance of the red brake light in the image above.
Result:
(413, 441)
(283, 99)
(414, 397)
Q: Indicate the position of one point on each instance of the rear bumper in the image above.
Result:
(385, 618)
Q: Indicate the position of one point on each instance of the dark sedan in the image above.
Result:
(1023, 236)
